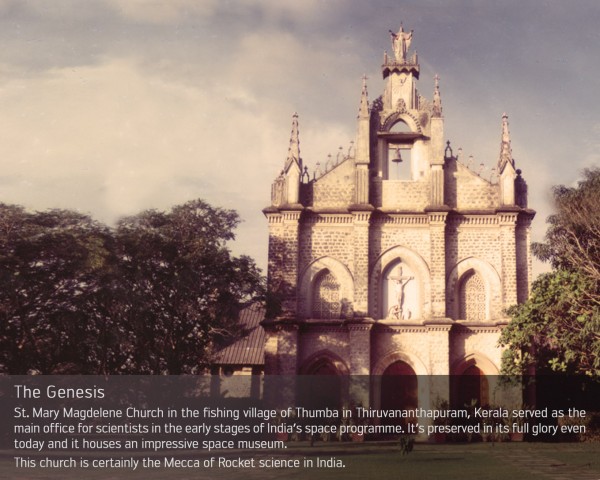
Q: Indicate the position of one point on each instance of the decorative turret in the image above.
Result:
(438, 152)
(362, 148)
(294, 149)
(286, 187)
(363, 111)
(506, 167)
(505, 149)
(362, 137)
(437, 99)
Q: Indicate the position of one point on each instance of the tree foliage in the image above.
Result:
(558, 328)
(150, 296)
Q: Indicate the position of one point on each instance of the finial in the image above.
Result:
(437, 98)
(305, 176)
(448, 151)
(364, 99)
(492, 174)
(505, 148)
(294, 149)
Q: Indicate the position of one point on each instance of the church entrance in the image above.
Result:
(320, 386)
(472, 388)
(399, 389)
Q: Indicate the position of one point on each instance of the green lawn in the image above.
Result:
(479, 461)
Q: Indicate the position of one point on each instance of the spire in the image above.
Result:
(437, 99)
(285, 190)
(362, 137)
(364, 100)
(505, 149)
(294, 149)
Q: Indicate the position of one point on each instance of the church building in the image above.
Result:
(395, 261)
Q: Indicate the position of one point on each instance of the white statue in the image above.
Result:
(400, 281)
(401, 43)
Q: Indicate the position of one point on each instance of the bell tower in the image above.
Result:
(408, 135)
(401, 72)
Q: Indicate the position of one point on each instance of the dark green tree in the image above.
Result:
(184, 288)
(149, 297)
(558, 328)
(50, 266)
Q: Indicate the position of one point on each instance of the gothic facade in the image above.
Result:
(397, 260)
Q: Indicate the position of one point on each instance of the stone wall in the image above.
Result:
(465, 190)
(335, 189)
(405, 195)
(319, 238)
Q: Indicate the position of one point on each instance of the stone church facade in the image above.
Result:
(396, 260)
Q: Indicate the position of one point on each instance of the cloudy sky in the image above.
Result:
(111, 107)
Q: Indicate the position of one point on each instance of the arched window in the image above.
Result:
(326, 302)
(472, 301)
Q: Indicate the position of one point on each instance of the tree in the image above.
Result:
(184, 288)
(573, 237)
(49, 270)
(151, 296)
(558, 328)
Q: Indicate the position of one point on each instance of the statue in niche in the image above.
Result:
(401, 43)
(397, 311)
(278, 190)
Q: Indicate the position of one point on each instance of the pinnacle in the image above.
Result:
(505, 147)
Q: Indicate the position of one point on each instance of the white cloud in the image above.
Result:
(171, 100)
(161, 11)
(113, 139)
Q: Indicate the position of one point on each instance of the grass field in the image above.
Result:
(481, 461)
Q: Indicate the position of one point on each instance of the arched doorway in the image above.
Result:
(321, 385)
(399, 389)
(473, 388)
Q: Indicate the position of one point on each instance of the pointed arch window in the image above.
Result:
(472, 299)
(326, 302)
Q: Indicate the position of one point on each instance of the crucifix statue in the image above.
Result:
(400, 281)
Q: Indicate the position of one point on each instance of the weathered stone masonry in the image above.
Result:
(397, 257)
